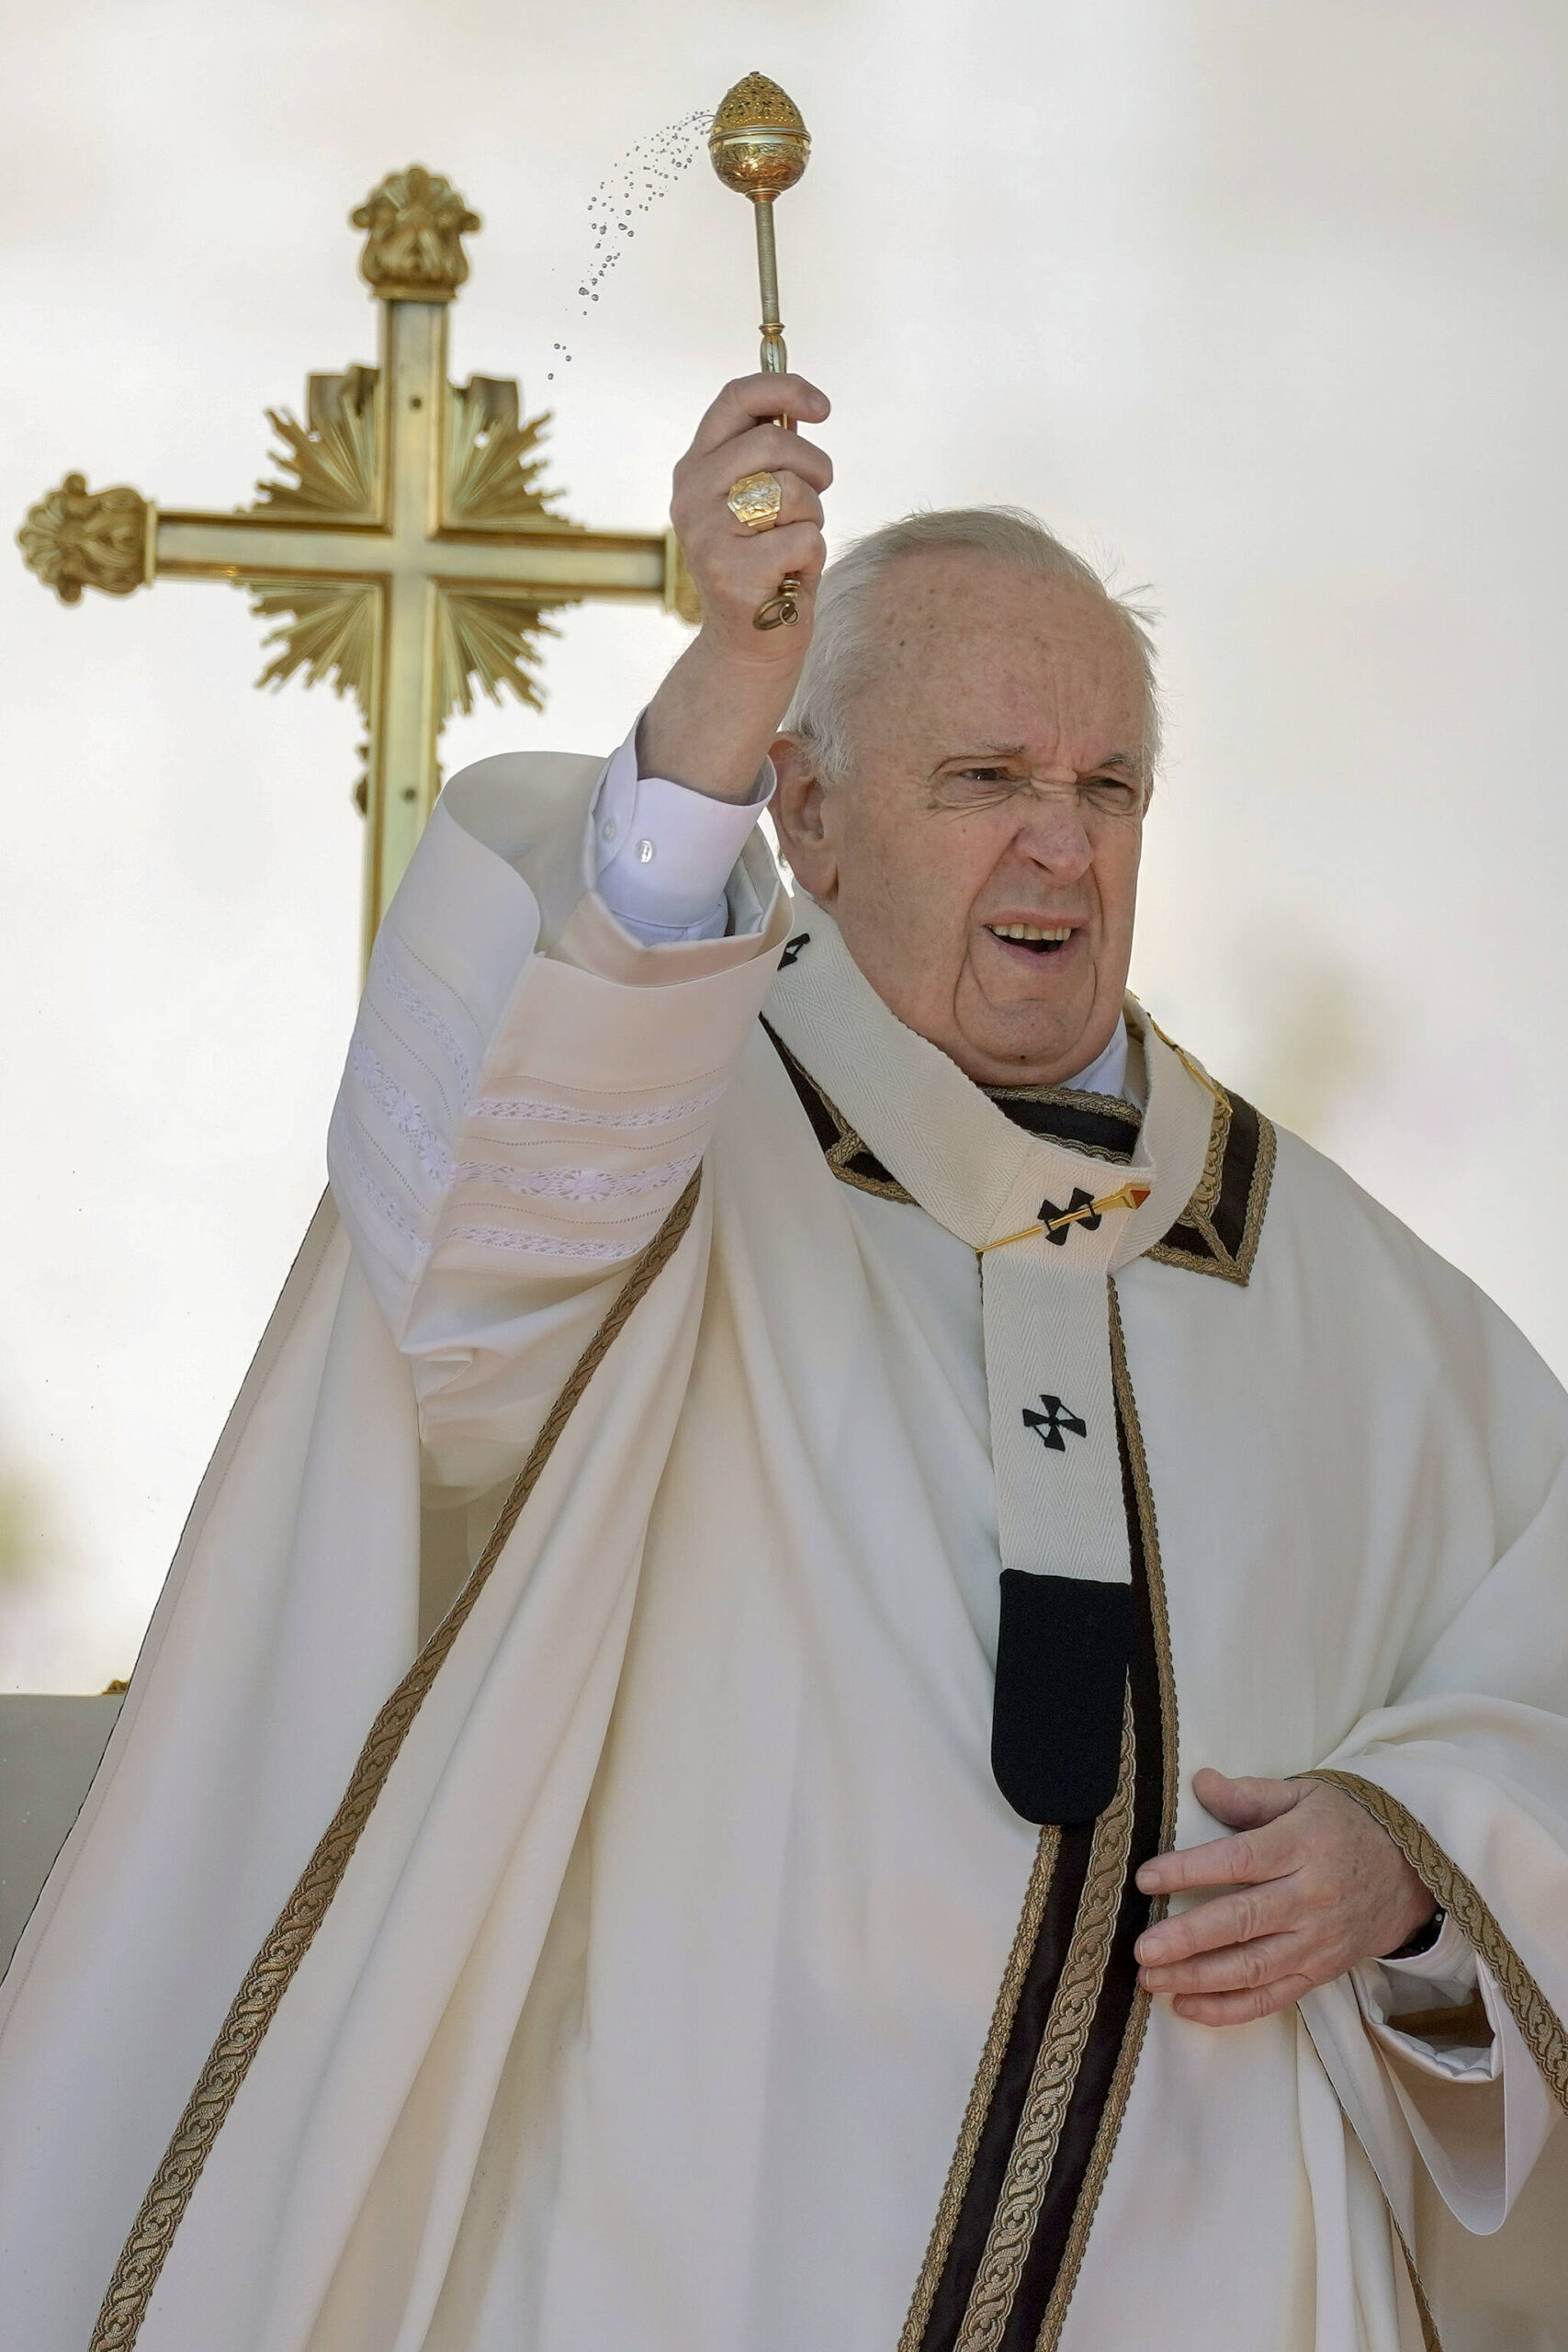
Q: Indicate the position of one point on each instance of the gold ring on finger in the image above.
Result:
(756, 500)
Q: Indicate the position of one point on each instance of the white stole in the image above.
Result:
(1046, 1285)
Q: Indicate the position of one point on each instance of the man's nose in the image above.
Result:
(1054, 835)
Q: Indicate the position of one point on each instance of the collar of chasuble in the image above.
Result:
(1053, 1189)
(1216, 1228)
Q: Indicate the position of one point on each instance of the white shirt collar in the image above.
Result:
(1107, 1074)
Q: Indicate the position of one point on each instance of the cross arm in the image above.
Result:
(552, 563)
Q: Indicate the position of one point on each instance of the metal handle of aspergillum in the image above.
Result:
(760, 146)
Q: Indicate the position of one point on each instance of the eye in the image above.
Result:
(1114, 796)
(983, 784)
(984, 781)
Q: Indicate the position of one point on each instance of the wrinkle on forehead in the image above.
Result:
(968, 641)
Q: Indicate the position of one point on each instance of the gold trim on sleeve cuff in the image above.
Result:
(1543, 2029)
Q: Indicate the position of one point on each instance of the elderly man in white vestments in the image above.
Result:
(861, 1672)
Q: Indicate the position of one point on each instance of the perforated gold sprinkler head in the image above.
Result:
(759, 144)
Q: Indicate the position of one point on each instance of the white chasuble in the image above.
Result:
(699, 1917)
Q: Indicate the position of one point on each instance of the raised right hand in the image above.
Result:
(713, 719)
(737, 569)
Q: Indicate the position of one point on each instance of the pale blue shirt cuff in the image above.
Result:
(661, 854)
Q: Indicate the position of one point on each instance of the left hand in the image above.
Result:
(1319, 1887)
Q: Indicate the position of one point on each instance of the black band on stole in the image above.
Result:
(1062, 1649)
(1034, 2145)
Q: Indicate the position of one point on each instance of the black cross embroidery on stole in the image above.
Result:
(1049, 1212)
(793, 949)
(1053, 1421)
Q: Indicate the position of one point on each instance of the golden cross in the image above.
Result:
(409, 552)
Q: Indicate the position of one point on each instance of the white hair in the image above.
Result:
(845, 640)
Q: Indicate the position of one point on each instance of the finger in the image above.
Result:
(1228, 1920)
(1245, 1803)
(798, 503)
(748, 569)
(1241, 2009)
(1243, 1861)
(749, 396)
(713, 517)
(1234, 1968)
(765, 449)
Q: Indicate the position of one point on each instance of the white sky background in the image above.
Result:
(1266, 303)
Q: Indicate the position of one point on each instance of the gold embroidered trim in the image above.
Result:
(1197, 1214)
(984, 2091)
(1078, 1149)
(846, 1145)
(1056, 2067)
(1071, 1098)
(1120, 2089)
(849, 1145)
(1023, 1943)
(1194, 1069)
(1154, 1573)
(1075, 1098)
(1257, 1198)
(1207, 1191)
(272, 1970)
(1460, 1898)
(1430, 2340)
(1099, 2165)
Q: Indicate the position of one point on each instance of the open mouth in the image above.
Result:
(1025, 935)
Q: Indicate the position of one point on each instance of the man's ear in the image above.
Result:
(802, 814)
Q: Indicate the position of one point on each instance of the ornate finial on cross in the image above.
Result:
(78, 538)
(407, 550)
(414, 252)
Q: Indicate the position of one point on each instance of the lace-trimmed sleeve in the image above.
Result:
(513, 1126)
